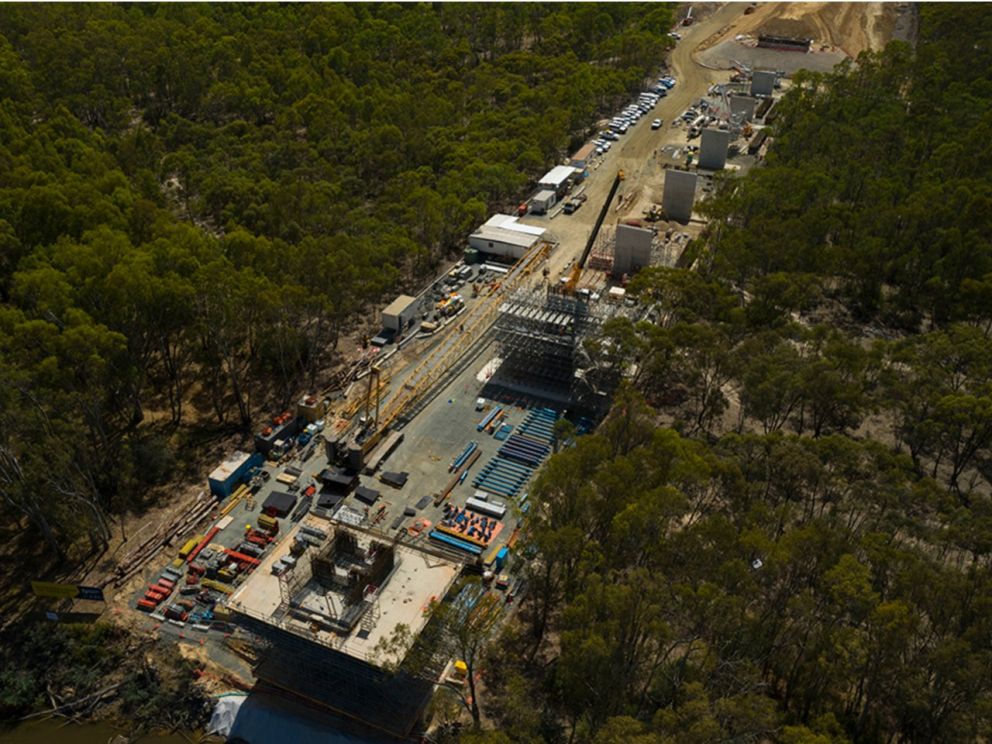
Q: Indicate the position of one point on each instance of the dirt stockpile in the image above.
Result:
(849, 27)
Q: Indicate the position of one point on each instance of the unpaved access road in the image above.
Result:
(633, 152)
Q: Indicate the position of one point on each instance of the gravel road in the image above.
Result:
(633, 152)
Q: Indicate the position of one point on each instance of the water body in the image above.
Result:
(47, 732)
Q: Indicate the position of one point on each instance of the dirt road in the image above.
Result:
(633, 153)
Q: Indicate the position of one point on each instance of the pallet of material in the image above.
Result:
(315, 531)
(232, 502)
(489, 508)
(287, 478)
(309, 539)
(219, 586)
(451, 532)
(241, 557)
(188, 546)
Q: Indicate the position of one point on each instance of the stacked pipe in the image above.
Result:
(525, 450)
(539, 424)
(502, 476)
(460, 460)
(472, 453)
(488, 418)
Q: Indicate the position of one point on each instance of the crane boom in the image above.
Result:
(470, 328)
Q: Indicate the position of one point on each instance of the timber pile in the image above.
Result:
(132, 563)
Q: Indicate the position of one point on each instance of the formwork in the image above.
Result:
(602, 255)
(539, 334)
(317, 628)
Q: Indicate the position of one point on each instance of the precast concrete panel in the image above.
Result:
(713, 149)
(679, 195)
(762, 82)
(633, 249)
(743, 105)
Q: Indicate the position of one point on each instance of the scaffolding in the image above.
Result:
(602, 255)
(331, 638)
(539, 335)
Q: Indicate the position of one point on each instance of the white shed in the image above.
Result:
(503, 235)
(557, 179)
(542, 201)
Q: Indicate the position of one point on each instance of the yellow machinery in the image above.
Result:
(470, 327)
(573, 277)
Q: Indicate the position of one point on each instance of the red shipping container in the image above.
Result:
(146, 605)
(167, 582)
(154, 596)
(241, 557)
(192, 578)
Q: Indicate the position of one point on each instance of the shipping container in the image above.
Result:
(188, 546)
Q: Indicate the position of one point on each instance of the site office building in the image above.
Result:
(504, 236)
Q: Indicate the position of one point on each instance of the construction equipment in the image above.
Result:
(374, 389)
(573, 278)
(470, 328)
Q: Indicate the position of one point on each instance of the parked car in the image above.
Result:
(656, 124)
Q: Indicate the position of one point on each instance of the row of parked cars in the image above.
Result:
(630, 115)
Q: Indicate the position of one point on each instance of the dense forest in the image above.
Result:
(198, 201)
(782, 530)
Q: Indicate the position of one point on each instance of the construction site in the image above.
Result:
(361, 507)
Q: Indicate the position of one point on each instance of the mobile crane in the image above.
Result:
(573, 277)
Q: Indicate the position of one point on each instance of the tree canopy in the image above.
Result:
(780, 532)
(198, 201)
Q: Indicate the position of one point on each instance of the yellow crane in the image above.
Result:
(470, 327)
(573, 277)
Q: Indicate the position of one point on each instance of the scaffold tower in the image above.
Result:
(539, 335)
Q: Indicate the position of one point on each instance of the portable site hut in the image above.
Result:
(558, 179)
(399, 314)
(542, 201)
(226, 476)
(580, 160)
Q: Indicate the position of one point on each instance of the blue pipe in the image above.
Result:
(488, 418)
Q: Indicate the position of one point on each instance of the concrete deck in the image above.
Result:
(416, 579)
